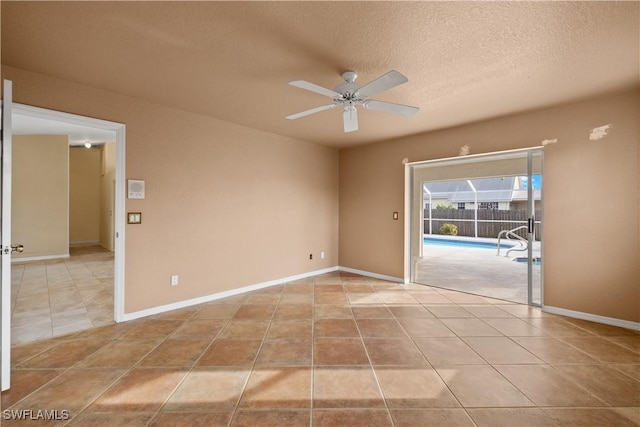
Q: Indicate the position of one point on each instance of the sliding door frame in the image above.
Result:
(414, 222)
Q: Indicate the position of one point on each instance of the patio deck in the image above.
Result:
(477, 271)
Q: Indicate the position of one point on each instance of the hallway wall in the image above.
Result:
(40, 195)
(84, 195)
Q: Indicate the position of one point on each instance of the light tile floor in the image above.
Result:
(56, 297)
(337, 350)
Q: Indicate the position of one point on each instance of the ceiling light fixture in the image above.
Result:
(87, 144)
(349, 94)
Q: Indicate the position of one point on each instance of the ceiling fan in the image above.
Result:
(350, 94)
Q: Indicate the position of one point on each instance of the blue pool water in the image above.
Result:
(465, 243)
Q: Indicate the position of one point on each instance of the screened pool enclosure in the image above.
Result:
(476, 225)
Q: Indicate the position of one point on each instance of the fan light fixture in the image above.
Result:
(350, 94)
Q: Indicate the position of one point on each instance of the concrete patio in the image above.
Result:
(478, 270)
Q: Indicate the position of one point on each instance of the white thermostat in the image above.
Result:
(135, 188)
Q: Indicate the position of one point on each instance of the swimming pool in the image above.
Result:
(465, 243)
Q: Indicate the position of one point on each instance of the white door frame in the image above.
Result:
(5, 359)
(119, 210)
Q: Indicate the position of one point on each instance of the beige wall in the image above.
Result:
(84, 195)
(40, 195)
(107, 195)
(229, 206)
(591, 255)
(226, 206)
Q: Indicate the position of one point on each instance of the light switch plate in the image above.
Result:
(134, 218)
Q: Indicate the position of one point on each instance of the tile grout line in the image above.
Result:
(189, 370)
(64, 371)
(255, 361)
(313, 334)
(466, 409)
(375, 375)
(493, 366)
(115, 381)
(436, 370)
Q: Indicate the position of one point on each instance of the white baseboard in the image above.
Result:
(592, 317)
(39, 258)
(232, 292)
(374, 275)
(219, 295)
(84, 242)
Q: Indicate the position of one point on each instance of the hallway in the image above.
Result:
(57, 297)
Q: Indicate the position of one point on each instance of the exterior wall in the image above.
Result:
(40, 195)
(591, 257)
(435, 202)
(226, 206)
(84, 195)
(471, 205)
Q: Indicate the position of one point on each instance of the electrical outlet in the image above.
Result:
(310, 256)
(321, 255)
(174, 280)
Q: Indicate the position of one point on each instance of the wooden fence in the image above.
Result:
(490, 221)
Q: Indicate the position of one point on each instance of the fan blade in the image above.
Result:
(311, 111)
(382, 83)
(315, 88)
(390, 107)
(350, 117)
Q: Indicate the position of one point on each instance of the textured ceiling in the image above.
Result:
(466, 61)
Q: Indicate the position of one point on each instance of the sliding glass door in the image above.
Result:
(534, 227)
(476, 225)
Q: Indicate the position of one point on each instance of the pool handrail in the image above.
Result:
(509, 234)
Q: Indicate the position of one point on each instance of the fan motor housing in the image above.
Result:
(348, 90)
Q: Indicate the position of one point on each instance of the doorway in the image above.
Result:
(476, 225)
(88, 276)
